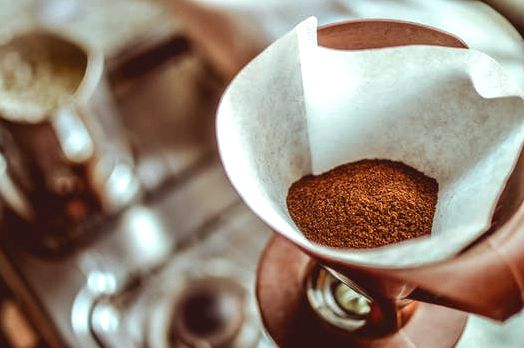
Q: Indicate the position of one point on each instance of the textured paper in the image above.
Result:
(299, 109)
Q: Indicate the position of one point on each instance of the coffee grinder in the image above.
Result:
(307, 298)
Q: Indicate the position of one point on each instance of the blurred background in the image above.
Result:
(118, 226)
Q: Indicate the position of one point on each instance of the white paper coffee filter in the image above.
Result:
(299, 109)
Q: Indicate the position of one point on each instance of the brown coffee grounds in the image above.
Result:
(364, 204)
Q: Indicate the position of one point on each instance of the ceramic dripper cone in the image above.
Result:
(299, 109)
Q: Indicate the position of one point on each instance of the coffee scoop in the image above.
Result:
(451, 113)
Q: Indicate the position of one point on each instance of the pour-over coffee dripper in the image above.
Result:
(307, 298)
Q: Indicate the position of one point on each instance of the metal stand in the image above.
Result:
(297, 312)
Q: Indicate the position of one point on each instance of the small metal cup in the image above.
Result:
(71, 162)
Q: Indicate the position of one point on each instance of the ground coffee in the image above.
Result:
(364, 204)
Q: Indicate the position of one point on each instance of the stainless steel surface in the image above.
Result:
(137, 245)
(145, 311)
(148, 252)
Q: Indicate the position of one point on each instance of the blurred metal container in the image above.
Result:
(66, 158)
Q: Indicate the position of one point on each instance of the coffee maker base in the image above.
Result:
(290, 321)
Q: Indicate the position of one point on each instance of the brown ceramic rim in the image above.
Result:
(453, 40)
